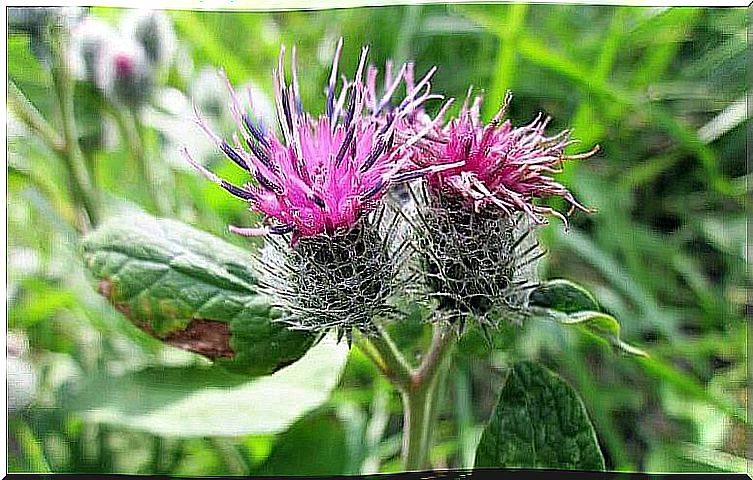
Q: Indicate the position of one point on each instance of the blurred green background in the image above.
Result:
(661, 90)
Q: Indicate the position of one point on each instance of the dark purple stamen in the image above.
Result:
(374, 155)
(318, 201)
(390, 120)
(406, 176)
(300, 166)
(281, 229)
(257, 132)
(268, 184)
(237, 191)
(261, 155)
(233, 155)
(286, 110)
(330, 102)
(351, 108)
(467, 145)
(346, 143)
(372, 191)
(390, 142)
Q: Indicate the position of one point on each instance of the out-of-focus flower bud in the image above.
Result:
(154, 31)
(88, 41)
(21, 380)
(124, 73)
(35, 21)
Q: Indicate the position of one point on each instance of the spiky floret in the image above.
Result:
(343, 282)
(322, 181)
(477, 264)
(502, 168)
(474, 222)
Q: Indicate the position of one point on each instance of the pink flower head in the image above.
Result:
(324, 173)
(501, 166)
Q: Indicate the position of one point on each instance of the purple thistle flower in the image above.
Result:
(324, 173)
(323, 179)
(473, 222)
(503, 167)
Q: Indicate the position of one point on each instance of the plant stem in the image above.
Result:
(419, 400)
(30, 116)
(416, 415)
(417, 386)
(80, 180)
(31, 449)
(388, 359)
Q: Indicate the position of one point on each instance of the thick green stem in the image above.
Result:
(416, 415)
(420, 399)
(417, 386)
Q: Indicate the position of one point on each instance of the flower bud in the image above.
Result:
(324, 182)
(35, 19)
(154, 31)
(474, 220)
(474, 263)
(88, 41)
(124, 73)
(337, 282)
(35, 22)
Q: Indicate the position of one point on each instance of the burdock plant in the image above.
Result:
(340, 254)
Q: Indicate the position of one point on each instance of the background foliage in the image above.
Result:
(661, 90)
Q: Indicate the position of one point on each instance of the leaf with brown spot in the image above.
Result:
(192, 290)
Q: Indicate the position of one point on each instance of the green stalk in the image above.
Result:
(416, 414)
(385, 355)
(80, 181)
(420, 398)
(129, 127)
(30, 116)
(32, 452)
(418, 388)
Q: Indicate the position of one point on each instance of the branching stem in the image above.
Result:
(418, 387)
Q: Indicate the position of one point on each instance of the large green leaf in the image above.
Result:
(539, 422)
(192, 290)
(572, 305)
(195, 401)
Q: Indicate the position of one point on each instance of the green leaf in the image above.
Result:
(192, 290)
(563, 296)
(539, 422)
(572, 305)
(196, 402)
(314, 445)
